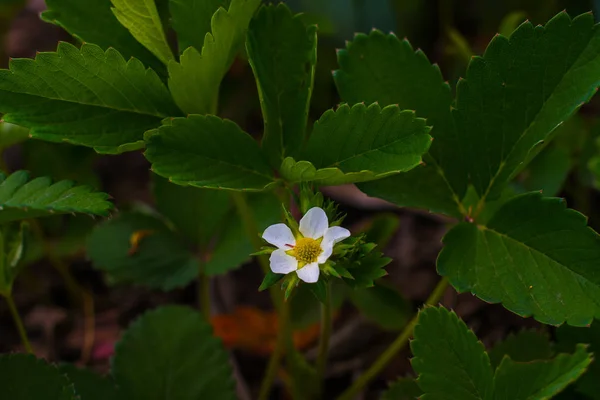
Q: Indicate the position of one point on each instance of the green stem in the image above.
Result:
(204, 292)
(19, 323)
(325, 334)
(277, 355)
(394, 348)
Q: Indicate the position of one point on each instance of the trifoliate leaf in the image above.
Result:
(170, 354)
(534, 256)
(191, 20)
(283, 55)
(25, 377)
(539, 379)
(139, 248)
(524, 346)
(359, 143)
(195, 80)
(383, 305)
(198, 214)
(450, 361)
(381, 68)
(403, 389)
(208, 152)
(520, 91)
(567, 338)
(21, 198)
(141, 18)
(89, 385)
(90, 20)
(84, 96)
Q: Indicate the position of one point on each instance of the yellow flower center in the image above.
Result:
(307, 250)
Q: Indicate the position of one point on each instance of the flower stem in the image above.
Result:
(276, 356)
(394, 348)
(325, 335)
(19, 323)
(204, 292)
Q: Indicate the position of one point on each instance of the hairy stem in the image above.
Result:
(19, 323)
(277, 355)
(394, 348)
(325, 335)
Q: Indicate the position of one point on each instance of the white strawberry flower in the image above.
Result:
(311, 247)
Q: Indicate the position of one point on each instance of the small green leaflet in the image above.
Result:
(450, 361)
(283, 56)
(155, 258)
(24, 377)
(534, 256)
(85, 96)
(185, 362)
(90, 20)
(539, 379)
(194, 81)
(360, 143)
(191, 20)
(520, 91)
(141, 18)
(523, 347)
(381, 68)
(455, 366)
(21, 198)
(208, 152)
(403, 389)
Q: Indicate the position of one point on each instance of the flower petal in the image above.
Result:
(327, 249)
(336, 234)
(282, 263)
(279, 235)
(314, 223)
(309, 273)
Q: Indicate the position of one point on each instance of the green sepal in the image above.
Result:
(290, 282)
(264, 251)
(269, 280)
(291, 221)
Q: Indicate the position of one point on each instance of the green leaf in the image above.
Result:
(191, 20)
(383, 305)
(524, 346)
(90, 20)
(567, 338)
(89, 385)
(142, 20)
(403, 389)
(11, 134)
(170, 354)
(380, 68)
(516, 95)
(548, 171)
(539, 379)
(208, 152)
(84, 96)
(25, 377)
(534, 256)
(195, 80)
(360, 143)
(450, 361)
(421, 187)
(283, 56)
(196, 213)
(21, 198)
(233, 246)
(157, 258)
